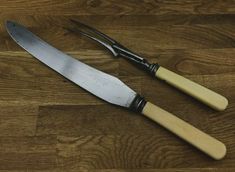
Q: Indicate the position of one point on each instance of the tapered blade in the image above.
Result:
(102, 85)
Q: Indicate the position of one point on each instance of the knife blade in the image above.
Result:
(111, 89)
(85, 76)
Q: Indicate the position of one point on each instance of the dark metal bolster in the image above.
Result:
(138, 103)
(143, 63)
(153, 68)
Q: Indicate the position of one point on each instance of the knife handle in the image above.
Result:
(207, 144)
(203, 94)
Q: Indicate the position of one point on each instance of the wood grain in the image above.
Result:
(114, 7)
(49, 124)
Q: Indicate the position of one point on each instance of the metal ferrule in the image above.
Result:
(138, 104)
(143, 63)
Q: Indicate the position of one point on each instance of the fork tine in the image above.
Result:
(106, 45)
(93, 30)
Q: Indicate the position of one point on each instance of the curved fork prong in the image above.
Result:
(106, 45)
(94, 31)
(108, 42)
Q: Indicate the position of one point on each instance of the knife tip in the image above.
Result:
(8, 23)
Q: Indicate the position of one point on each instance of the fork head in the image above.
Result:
(112, 45)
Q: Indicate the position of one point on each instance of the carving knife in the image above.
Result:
(112, 90)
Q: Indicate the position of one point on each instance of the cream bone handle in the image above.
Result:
(203, 94)
(207, 144)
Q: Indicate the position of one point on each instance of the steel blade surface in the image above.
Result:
(104, 86)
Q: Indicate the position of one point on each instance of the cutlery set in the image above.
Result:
(114, 91)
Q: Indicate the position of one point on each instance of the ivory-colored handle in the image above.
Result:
(205, 95)
(184, 130)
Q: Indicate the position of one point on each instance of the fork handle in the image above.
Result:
(203, 94)
(207, 144)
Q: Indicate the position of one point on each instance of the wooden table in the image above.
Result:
(49, 124)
